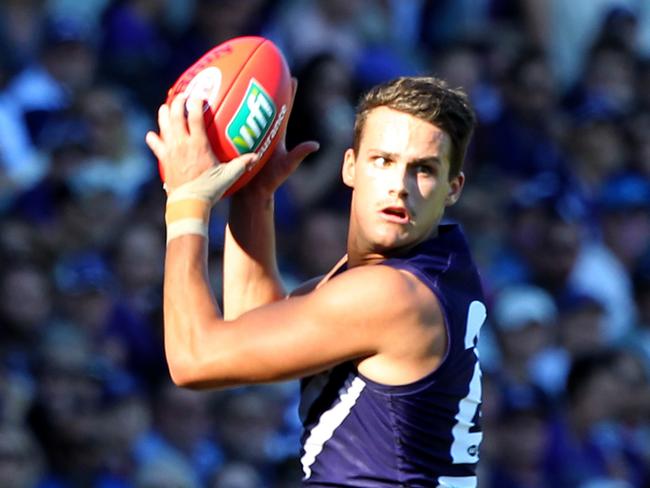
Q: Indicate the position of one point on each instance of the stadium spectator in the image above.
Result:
(21, 458)
(325, 114)
(586, 443)
(521, 441)
(624, 204)
(46, 88)
(189, 444)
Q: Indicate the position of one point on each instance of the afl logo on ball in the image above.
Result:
(205, 86)
(252, 120)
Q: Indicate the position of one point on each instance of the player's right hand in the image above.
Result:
(190, 166)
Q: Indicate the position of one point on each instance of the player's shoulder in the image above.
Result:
(398, 311)
(373, 276)
(376, 307)
(385, 277)
(383, 288)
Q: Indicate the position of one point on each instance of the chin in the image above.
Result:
(387, 243)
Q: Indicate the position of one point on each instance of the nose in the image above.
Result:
(399, 182)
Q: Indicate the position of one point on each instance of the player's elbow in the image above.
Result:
(191, 375)
(179, 372)
(183, 371)
(185, 378)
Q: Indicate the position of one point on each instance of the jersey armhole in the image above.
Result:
(426, 380)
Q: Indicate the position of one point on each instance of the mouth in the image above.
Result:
(396, 214)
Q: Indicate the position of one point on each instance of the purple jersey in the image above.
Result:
(359, 433)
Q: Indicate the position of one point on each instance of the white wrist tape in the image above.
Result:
(188, 206)
(186, 226)
(189, 216)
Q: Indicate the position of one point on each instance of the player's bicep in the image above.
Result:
(343, 320)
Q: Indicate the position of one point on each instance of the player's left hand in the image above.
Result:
(184, 152)
(281, 163)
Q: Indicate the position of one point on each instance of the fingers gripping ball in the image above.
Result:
(246, 87)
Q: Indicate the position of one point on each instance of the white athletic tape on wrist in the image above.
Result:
(188, 206)
(185, 227)
(189, 216)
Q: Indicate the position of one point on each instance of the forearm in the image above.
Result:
(251, 277)
(188, 305)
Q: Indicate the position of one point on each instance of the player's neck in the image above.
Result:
(364, 259)
(369, 255)
(362, 253)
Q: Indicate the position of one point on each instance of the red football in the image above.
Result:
(247, 86)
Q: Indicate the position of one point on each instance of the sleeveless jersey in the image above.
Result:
(359, 433)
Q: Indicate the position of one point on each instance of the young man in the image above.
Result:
(386, 342)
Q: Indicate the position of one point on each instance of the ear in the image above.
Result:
(455, 189)
(349, 167)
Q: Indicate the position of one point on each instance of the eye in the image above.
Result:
(380, 161)
(425, 169)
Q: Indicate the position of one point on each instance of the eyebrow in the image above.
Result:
(435, 160)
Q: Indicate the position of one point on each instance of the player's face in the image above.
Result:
(401, 183)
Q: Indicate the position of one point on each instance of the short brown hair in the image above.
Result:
(429, 99)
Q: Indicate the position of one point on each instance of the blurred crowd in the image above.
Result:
(556, 208)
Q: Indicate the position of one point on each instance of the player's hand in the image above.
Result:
(187, 160)
(281, 163)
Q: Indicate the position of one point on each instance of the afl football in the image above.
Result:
(246, 88)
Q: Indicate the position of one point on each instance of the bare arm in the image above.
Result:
(354, 316)
(250, 272)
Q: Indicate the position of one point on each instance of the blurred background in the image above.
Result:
(557, 210)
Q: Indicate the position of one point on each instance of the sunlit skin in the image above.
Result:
(401, 184)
